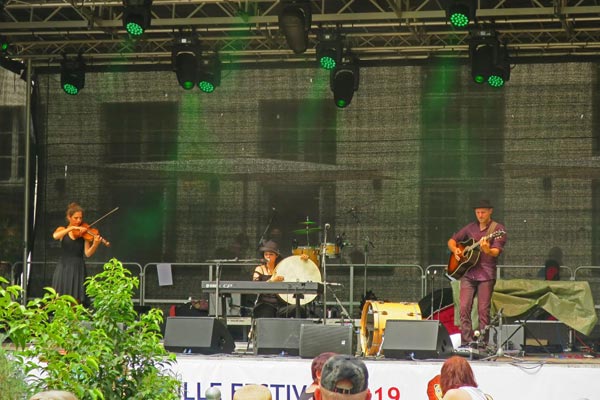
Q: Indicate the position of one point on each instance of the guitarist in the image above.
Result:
(480, 279)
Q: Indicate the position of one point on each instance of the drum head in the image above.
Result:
(295, 269)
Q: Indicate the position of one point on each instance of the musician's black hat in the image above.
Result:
(271, 246)
(483, 203)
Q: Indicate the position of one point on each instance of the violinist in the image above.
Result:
(75, 243)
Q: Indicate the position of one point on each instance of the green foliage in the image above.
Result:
(105, 352)
(12, 379)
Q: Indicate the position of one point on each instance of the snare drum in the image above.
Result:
(311, 252)
(374, 317)
(331, 250)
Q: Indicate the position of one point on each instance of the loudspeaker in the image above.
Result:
(278, 335)
(316, 339)
(548, 333)
(512, 331)
(416, 339)
(204, 335)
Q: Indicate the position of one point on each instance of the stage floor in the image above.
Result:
(566, 376)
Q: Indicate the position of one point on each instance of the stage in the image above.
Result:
(568, 376)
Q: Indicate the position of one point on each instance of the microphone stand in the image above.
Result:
(324, 265)
(262, 236)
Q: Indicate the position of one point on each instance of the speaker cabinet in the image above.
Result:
(204, 335)
(317, 339)
(416, 339)
(278, 335)
(511, 337)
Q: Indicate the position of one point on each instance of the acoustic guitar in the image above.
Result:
(470, 255)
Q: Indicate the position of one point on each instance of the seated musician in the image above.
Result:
(271, 305)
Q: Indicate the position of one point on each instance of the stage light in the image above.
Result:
(295, 20)
(136, 16)
(460, 12)
(344, 81)
(489, 60)
(184, 60)
(500, 73)
(209, 75)
(329, 51)
(186, 68)
(3, 44)
(72, 75)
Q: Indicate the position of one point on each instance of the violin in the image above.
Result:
(89, 235)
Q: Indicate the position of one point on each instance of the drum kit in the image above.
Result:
(314, 253)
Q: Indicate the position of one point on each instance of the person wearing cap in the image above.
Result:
(270, 305)
(480, 279)
(457, 381)
(343, 377)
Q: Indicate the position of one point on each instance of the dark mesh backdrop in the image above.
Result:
(197, 176)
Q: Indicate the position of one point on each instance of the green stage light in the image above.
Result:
(186, 68)
(72, 75)
(489, 61)
(136, 16)
(460, 12)
(329, 51)
(344, 82)
(209, 74)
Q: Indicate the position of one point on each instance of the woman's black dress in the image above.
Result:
(70, 272)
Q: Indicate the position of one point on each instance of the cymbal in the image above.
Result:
(307, 222)
(306, 230)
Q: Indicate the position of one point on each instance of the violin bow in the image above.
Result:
(104, 216)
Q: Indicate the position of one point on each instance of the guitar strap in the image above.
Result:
(491, 228)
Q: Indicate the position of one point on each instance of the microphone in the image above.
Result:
(273, 208)
(327, 226)
(213, 393)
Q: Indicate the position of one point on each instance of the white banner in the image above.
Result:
(390, 380)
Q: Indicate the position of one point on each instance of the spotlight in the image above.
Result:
(136, 16)
(72, 75)
(460, 12)
(489, 61)
(295, 20)
(329, 51)
(184, 59)
(343, 82)
(500, 73)
(3, 44)
(209, 75)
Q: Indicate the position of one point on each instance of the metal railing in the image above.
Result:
(356, 274)
(129, 265)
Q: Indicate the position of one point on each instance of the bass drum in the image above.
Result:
(311, 252)
(374, 316)
(295, 269)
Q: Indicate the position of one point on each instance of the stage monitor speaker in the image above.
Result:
(512, 337)
(278, 335)
(416, 339)
(204, 335)
(316, 339)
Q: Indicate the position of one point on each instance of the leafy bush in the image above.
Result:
(105, 352)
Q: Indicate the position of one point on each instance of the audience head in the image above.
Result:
(456, 372)
(343, 377)
(252, 392)
(317, 365)
(54, 395)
